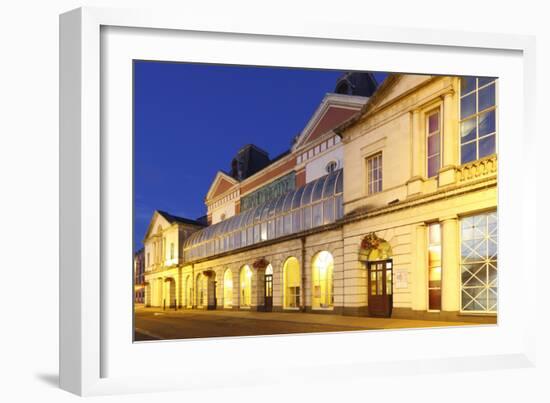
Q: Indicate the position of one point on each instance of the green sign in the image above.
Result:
(270, 191)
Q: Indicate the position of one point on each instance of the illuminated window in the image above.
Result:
(202, 290)
(228, 289)
(477, 118)
(246, 287)
(374, 173)
(322, 284)
(433, 140)
(434, 267)
(188, 291)
(292, 281)
(479, 240)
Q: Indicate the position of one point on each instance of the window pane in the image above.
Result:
(329, 185)
(433, 122)
(487, 97)
(328, 211)
(467, 84)
(317, 214)
(307, 217)
(486, 146)
(297, 198)
(468, 152)
(433, 166)
(433, 144)
(318, 190)
(467, 106)
(468, 130)
(485, 80)
(296, 220)
(486, 123)
(339, 207)
(279, 229)
(287, 221)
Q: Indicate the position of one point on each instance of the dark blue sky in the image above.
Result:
(190, 120)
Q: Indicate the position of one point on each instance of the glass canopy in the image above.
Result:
(317, 203)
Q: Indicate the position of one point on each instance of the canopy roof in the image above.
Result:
(300, 200)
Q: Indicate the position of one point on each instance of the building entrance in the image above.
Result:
(268, 292)
(380, 288)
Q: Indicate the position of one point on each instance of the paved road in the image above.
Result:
(153, 324)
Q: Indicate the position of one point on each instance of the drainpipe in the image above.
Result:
(303, 264)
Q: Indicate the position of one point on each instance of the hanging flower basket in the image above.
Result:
(371, 241)
(260, 263)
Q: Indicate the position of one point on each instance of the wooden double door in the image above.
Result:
(380, 288)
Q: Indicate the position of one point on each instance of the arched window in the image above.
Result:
(188, 291)
(228, 289)
(322, 280)
(202, 291)
(246, 286)
(291, 283)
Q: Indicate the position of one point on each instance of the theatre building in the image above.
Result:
(384, 206)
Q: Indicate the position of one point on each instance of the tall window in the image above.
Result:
(291, 279)
(246, 286)
(479, 240)
(477, 118)
(171, 250)
(374, 173)
(322, 276)
(228, 289)
(434, 267)
(433, 137)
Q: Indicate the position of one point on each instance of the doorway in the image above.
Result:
(380, 288)
(268, 281)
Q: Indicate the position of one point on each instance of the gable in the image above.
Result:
(332, 112)
(221, 187)
(332, 118)
(221, 184)
(400, 86)
(157, 221)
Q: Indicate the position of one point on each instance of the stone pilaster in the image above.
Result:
(419, 270)
(414, 184)
(447, 174)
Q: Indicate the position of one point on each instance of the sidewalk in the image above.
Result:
(313, 318)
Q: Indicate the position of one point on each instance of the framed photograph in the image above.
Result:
(267, 199)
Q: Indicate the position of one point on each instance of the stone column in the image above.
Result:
(419, 270)
(450, 140)
(414, 184)
(179, 288)
(450, 265)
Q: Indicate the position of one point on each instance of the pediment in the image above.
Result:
(331, 112)
(221, 184)
(393, 87)
(157, 221)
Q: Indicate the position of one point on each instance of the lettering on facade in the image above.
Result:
(269, 191)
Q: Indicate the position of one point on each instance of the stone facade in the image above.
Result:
(386, 230)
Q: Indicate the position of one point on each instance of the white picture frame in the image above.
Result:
(88, 311)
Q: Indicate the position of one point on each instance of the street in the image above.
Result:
(156, 324)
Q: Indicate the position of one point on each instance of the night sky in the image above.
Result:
(191, 119)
